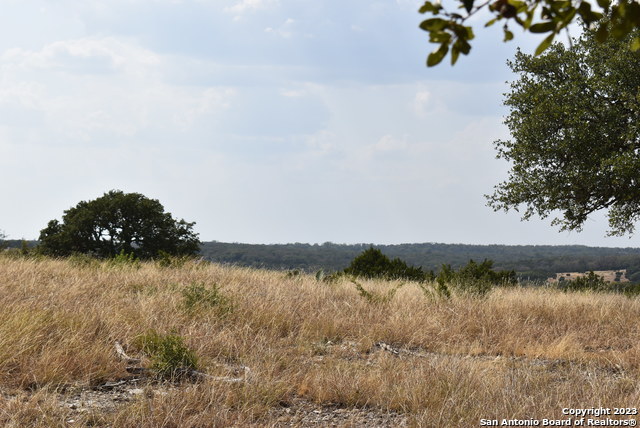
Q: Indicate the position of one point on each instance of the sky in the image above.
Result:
(263, 121)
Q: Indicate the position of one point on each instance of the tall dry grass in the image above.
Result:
(515, 353)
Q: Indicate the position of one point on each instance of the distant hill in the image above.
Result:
(535, 262)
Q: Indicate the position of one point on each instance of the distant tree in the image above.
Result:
(371, 263)
(119, 222)
(3, 243)
(575, 135)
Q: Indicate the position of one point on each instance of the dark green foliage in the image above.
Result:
(115, 223)
(575, 135)
(484, 272)
(3, 244)
(474, 278)
(630, 290)
(589, 282)
(531, 262)
(373, 264)
(446, 24)
(170, 357)
(595, 283)
(197, 296)
(294, 273)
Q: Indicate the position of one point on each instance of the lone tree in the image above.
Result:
(575, 126)
(118, 222)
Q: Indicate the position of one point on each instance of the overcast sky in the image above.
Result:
(264, 121)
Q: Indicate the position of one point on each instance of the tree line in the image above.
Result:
(533, 262)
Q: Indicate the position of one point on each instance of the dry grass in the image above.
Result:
(516, 353)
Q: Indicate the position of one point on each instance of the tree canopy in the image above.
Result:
(119, 222)
(615, 20)
(575, 135)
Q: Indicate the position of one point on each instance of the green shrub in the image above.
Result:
(373, 264)
(81, 260)
(630, 290)
(25, 251)
(170, 357)
(197, 296)
(166, 260)
(588, 282)
(293, 273)
(474, 278)
(434, 289)
(376, 298)
(123, 259)
(333, 278)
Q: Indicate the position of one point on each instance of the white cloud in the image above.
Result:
(88, 55)
(95, 88)
(244, 6)
(421, 103)
(285, 30)
(389, 143)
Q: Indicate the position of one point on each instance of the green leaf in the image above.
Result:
(470, 34)
(635, 44)
(517, 4)
(430, 7)
(602, 33)
(543, 27)
(545, 44)
(490, 23)
(468, 5)
(436, 56)
(434, 24)
(620, 30)
(508, 35)
(527, 22)
(439, 37)
(455, 53)
(633, 13)
(588, 16)
(463, 46)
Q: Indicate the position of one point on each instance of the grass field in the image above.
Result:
(280, 350)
